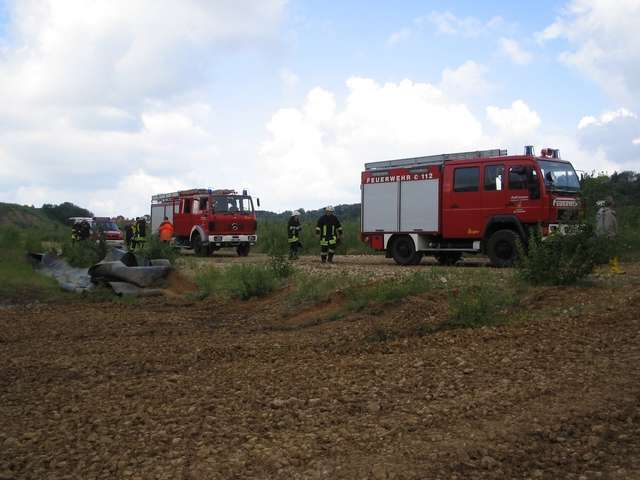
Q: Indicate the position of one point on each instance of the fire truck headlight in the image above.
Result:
(252, 238)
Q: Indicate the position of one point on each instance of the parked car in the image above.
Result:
(107, 227)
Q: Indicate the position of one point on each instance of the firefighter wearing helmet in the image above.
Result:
(293, 235)
(330, 231)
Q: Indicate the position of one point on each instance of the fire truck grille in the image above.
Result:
(568, 215)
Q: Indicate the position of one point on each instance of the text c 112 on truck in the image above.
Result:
(207, 220)
(470, 202)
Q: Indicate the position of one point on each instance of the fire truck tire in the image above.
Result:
(403, 251)
(502, 249)
(199, 248)
(243, 250)
(448, 258)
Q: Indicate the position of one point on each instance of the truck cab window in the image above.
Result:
(493, 178)
(466, 179)
(533, 183)
(517, 178)
(203, 204)
(186, 205)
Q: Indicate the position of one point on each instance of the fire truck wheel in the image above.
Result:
(243, 250)
(198, 247)
(448, 258)
(502, 248)
(403, 250)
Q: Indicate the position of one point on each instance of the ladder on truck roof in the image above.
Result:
(163, 197)
(433, 159)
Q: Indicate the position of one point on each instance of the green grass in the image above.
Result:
(154, 248)
(243, 281)
(390, 291)
(314, 289)
(20, 282)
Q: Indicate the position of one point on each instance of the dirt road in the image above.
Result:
(178, 389)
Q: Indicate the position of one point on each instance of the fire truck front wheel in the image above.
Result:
(502, 249)
(404, 252)
(243, 250)
(199, 248)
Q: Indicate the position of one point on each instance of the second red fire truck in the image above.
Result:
(471, 202)
(207, 220)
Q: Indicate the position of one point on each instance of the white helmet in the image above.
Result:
(296, 213)
(329, 208)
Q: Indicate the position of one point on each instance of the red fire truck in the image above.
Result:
(471, 202)
(207, 220)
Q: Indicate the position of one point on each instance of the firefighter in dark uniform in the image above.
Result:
(85, 230)
(293, 234)
(330, 231)
(75, 232)
(128, 236)
(139, 233)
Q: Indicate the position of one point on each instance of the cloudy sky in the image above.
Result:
(105, 102)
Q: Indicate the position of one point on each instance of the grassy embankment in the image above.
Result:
(24, 229)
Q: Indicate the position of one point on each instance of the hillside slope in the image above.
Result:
(21, 216)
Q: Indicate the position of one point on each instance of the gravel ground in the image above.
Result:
(177, 389)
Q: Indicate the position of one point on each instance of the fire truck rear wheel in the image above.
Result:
(404, 252)
(243, 250)
(502, 249)
(448, 258)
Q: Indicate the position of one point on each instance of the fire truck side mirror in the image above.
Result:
(258, 201)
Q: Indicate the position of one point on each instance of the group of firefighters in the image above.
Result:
(328, 228)
(135, 233)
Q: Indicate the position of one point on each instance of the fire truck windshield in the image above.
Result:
(559, 176)
(230, 204)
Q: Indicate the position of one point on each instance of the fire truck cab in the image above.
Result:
(470, 202)
(207, 220)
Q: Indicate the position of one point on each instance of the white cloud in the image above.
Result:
(606, 117)
(315, 153)
(615, 135)
(518, 120)
(105, 99)
(449, 24)
(605, 41)
(468, 80)
(512, 49)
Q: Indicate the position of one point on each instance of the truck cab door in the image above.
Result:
(462, 202)
(524, 193)
(494, 192)
(181, 223)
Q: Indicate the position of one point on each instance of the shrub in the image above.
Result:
(476, 306)
(238, 281)
(281, 266)
(155, 248)
(83, 254)
(313, 289)
(563, 259)
(387, 292)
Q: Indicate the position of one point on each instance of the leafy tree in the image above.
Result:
(65, 210)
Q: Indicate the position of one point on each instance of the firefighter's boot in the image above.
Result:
(323, 258)
(330, 257)
(614, 266)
